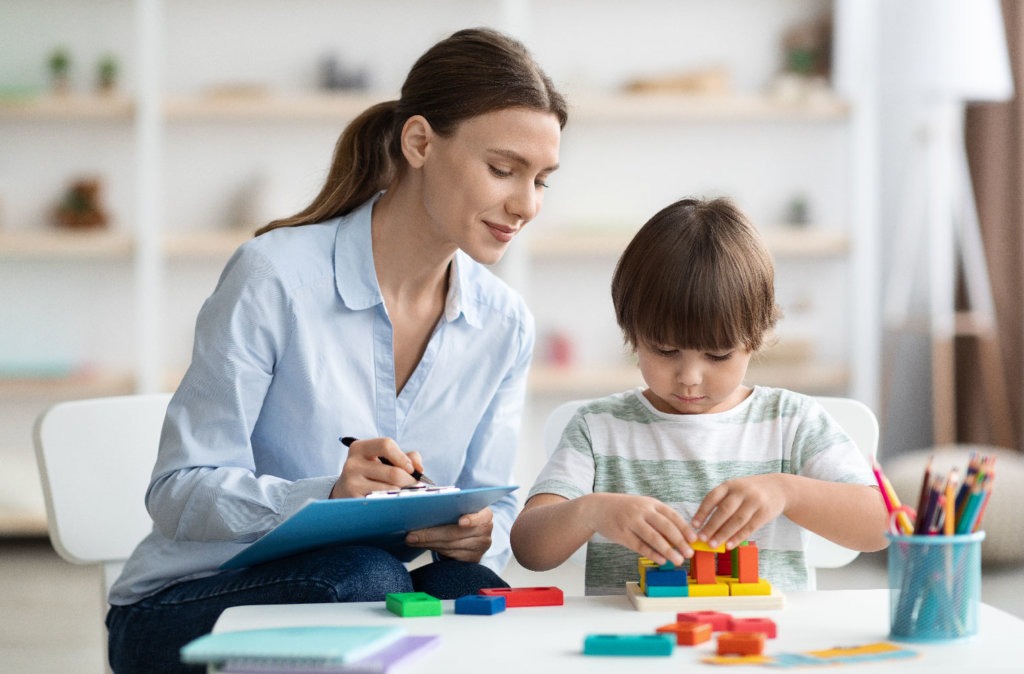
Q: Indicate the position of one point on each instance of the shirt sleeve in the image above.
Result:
(822, 450)
(204, 485)
(570, 470)
(491, 456)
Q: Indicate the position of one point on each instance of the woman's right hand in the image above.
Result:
(643, 524)
(364, 472)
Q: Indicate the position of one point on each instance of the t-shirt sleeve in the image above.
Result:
(569, 471)
(824, 451)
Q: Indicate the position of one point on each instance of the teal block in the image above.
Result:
(629, 644)
(667, 590)
(413, 604)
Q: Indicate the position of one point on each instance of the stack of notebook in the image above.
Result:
(301, 650)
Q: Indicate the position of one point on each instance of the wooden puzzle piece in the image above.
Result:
(412, 604)
(628, 644)
(516, 597)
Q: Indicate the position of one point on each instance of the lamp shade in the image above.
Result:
(946, 50)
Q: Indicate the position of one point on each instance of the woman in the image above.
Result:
(368, 314)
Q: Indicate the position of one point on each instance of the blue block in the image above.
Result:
(629, 644)
(675, 577)
(478, 604)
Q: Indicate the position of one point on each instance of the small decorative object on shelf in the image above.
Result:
(60, 70)
(559, 349)
(715, 80)
(335, 75)
(106, 74)
(797, 211)
(81, 207)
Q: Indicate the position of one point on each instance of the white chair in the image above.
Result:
(856, 419)
(95, 458)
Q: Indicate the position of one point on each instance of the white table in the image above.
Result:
(550, 639)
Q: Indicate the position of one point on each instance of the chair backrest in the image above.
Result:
(95, 458)
(853, 416)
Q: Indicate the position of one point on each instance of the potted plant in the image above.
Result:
(60, 70)
(106, 74)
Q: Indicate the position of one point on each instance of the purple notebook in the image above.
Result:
(391, 659)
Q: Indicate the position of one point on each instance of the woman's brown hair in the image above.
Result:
(473, 72)
(697, 275)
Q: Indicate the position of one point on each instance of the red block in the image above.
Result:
(719, 621)
(739, 643)
(765, 626)
(746, 559)
(526, 596)
(724, 562)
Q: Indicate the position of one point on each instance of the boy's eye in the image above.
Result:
(541, 184)
(665, 350)
(719, 357)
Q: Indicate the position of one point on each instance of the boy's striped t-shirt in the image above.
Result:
(622, 444)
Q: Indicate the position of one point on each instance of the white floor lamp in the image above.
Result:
(950, 52)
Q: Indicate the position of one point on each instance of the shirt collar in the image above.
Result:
(356, 278)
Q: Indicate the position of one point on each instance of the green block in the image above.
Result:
(413, 604)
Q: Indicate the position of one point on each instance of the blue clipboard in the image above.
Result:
(380, 522)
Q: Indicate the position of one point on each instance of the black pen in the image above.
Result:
(417, 475)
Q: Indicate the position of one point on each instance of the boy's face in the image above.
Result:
(686, 381)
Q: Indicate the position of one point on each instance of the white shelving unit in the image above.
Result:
(120, 303)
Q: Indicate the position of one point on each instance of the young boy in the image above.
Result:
(697, 455)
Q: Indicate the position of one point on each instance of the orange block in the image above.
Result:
(688, 633)
(746, 560)
(765, 626)
(719, 621)
(702, 567)
(741, 643)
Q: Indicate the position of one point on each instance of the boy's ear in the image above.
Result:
(416, 139)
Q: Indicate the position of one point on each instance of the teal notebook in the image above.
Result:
(305, 645)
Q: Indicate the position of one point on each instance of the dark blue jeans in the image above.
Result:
(146, 636)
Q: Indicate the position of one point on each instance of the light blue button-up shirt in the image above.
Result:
(292, 350)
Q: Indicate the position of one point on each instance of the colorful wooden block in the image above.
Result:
(723, 563)
(628, 644)
(688, 633)
(412, 604)
(719, 621)
(761, 587)
(667, 591)
(765, 626)
(666, 577)
(746, 560)
(709, 590)
(478, 604)
(740, 643)
(704, 547)
(516, 597)
(702, 567)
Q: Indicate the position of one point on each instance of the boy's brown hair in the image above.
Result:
(697, 275)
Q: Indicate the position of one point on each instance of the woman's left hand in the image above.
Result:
(466, 541)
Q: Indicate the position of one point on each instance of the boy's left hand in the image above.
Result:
(735, 509)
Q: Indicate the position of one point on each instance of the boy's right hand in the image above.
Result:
(643, 524)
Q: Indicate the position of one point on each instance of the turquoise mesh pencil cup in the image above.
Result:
(934, 587)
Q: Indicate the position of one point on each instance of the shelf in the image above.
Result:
(704, 108)
(783, 240)
(79, 385)
(205, 244)
(329, 106)
(69, 107)
(54, 244)
(309, 106)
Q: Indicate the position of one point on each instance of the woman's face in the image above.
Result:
(483, 183)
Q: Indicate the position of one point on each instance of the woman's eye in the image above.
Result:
(499, 172)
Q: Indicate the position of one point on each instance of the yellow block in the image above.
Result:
(701, 545)
(762, 586)
(709, 590)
